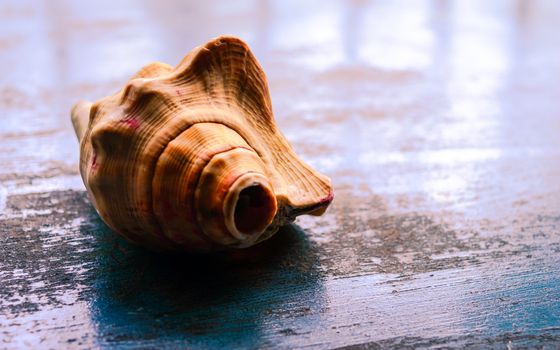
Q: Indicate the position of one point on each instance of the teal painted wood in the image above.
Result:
(437, 121)
(92, 289)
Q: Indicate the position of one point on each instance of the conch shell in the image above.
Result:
(190, 159)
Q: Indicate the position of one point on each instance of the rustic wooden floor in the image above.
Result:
(438, 122)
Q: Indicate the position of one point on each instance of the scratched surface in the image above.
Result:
(438, 122)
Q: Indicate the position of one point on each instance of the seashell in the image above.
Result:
(190, 158)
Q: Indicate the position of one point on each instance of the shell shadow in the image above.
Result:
(228, 299)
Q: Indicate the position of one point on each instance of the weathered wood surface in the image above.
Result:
(439, 123)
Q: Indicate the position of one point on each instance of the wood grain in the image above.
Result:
(438, 123)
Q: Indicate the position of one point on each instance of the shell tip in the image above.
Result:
(323, 204)
(80, 117)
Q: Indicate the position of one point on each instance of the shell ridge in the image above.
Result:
(153, 185)
(210, 58)
(114, 125)
(281, 158)
(152, 199)
(197, 181)
(300, 174)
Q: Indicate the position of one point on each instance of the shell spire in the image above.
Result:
(190, 158)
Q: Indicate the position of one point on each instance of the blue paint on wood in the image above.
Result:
(223, 300)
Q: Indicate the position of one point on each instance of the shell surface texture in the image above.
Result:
(189, 158)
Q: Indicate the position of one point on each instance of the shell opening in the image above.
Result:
(250, 207)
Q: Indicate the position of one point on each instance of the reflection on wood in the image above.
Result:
(437, 121)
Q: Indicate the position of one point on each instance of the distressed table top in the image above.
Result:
(437, 121)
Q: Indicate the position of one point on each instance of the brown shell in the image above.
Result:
(190, 158)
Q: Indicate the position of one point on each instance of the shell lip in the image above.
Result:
(315, 209)
(249, 207)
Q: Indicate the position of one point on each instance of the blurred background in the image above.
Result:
(356, 85)
(437, 121)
